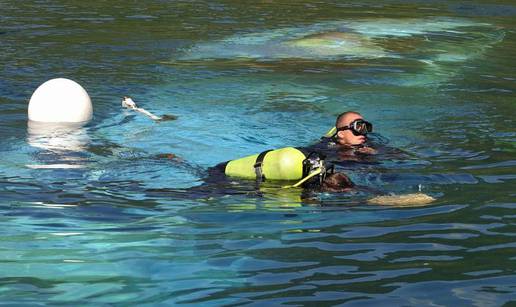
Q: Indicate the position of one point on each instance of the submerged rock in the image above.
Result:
(418, 52)
(339, 44)
(362, 38)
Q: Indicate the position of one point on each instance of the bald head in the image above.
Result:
(346, 137)
(346, 118)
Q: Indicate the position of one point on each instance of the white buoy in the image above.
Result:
(60, 101)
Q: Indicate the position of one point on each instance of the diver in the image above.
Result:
(352, 140)
(287, 168)
(303, 169)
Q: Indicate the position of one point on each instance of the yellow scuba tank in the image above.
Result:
(280, 164)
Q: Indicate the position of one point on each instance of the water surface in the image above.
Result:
(94, 217)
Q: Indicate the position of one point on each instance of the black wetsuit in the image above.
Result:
(348, 155)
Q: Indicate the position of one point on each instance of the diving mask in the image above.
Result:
(358, 127)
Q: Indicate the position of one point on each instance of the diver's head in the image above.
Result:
(329, 182)
(336, 182)
(351, 129)
(319, 175)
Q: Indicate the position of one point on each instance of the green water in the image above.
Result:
(436, 78)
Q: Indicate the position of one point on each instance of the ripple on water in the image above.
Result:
(126, 227)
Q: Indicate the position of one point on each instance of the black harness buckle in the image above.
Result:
(258, 165)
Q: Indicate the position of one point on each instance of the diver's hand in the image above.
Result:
(128, 102)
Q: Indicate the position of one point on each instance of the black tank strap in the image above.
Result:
(258, 165)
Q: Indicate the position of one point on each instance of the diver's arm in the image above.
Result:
(403, 200)
(396, 200)
(182, 163)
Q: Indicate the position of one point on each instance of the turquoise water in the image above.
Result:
(93, 216)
